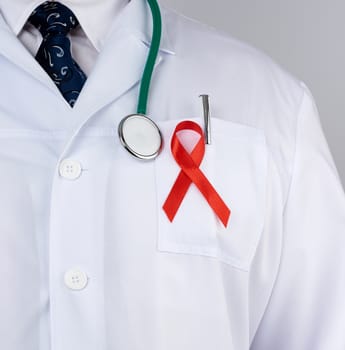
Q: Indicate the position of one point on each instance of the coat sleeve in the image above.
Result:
(306, 310)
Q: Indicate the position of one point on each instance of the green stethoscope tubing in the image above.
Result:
(152, 57)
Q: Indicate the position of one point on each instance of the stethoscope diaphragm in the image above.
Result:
(140, 136)
(138, 133)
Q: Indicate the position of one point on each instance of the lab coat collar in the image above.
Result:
(88, 14)
(134, 22)
(136, 16)
(12, 49)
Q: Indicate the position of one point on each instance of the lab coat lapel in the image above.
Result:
(15, 52)
(119, 68)
(120, 64)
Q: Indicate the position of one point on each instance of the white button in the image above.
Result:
(75, 279)
(70, 169)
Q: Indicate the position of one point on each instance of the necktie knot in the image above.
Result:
(53, 18)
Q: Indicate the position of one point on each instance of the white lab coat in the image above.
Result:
(274, 279)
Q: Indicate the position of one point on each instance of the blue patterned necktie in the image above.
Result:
(54, 21)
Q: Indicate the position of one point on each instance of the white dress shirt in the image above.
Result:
(94, 16)
(88, 257)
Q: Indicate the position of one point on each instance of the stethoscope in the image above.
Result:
(138, 133)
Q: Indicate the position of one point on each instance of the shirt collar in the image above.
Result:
(133, 14)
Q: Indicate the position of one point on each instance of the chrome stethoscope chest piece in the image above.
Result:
(140, 136)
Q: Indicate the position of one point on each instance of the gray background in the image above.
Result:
(307, 37)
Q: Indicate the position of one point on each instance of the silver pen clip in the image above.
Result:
(207, 118)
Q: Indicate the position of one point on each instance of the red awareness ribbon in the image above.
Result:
(191, 173)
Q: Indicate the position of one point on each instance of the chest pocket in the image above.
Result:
(236, 165)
